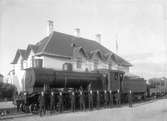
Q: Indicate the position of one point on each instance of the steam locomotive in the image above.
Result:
(38, 79)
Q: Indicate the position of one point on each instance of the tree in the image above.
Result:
(7, 91)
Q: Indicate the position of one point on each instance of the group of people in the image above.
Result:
(80, 100)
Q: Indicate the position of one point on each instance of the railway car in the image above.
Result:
(137, 85)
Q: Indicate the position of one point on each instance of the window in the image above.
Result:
(67, 67)
(38, 63)
(24, 64)
(79, 62)
(95, 64)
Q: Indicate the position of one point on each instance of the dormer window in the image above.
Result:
(79, 62)
(95, 64)
(109, 66)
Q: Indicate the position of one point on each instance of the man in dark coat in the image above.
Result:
(73, 101)
(105, 98)
(81, 100)
(130, 98)
(60, 101)
(18, 105)
(42, 103)
(118, 99)
(90, 100)
(98, 99)
(25, 98)
(52, 102)
(111, 98)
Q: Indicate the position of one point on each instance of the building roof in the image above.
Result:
(20, 52)
(60, 44)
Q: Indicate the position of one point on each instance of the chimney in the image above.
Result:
(77, 32)
(98, 38)
(50, 27)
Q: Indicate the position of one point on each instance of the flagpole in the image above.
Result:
(116, 44)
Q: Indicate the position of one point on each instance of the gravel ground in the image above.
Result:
(155, 111)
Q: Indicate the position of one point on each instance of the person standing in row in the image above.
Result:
(42, 104)
(130, 98)
(81, 100)
(118, 97)
(98, 99)
(60, 101)
(106, 98)
(18, 105)
(73, 101)
(111, 98)
(52, 102)
(90, 100)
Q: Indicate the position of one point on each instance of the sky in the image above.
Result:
(139, 26)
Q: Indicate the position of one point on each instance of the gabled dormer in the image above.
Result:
(19, 59)
(97, 58)
(79, 58)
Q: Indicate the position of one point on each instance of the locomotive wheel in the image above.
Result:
(34, 108)
(21, 108)
(25, 108)
(31, 108)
